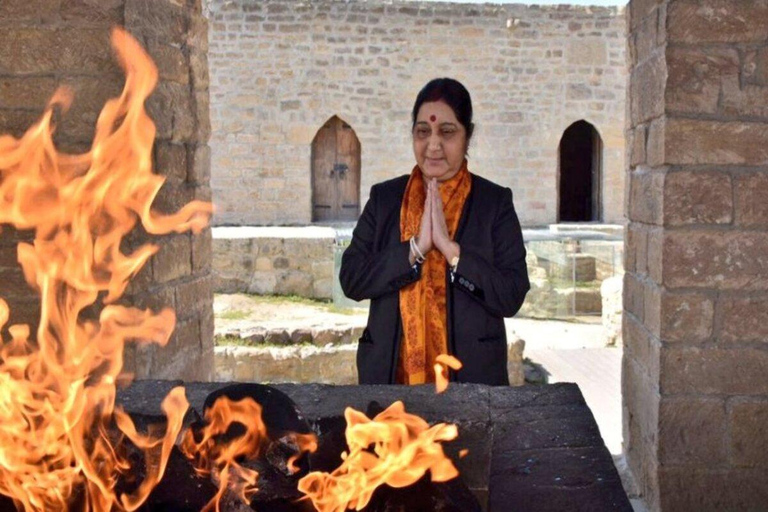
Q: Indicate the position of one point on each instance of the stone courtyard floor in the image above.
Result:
(565, 351)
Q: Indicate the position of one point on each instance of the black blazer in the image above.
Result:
(489, 284)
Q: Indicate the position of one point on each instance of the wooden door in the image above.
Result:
(335, 173)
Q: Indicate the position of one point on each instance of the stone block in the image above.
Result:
(640, 401)
(634, 295)
(646, 203)
(637, 143)
(685, 317)
(644, 37)
(202, 252)
(756, 66)
(712, 490)
(90, 95)
(193, 296)
(703, 142)
(587, 52)
(638, 10)
(202, 114)
(197, 33)
(16, 122)
(162, 20)
(199, 164)
(747, 101)
(716, 259)
(292, 282)
(656, 145)
(692, 431)
(646, 85)
(732, 371)
(92, 11)
(698, 197)
(652, 307)
(695, 77)
(28, 50)
(170, 60)
(171, 161)
(263, 283)
(641, 346)
(27, 92)
(173, 260)
(636, 248)
(743, 319)
(748, 438)
(199, 70)
(154, 298)
(654, 254)
(30, 11)
(750, 191)
(717, 21)
(593, 486)
(171, 108)
(85, 51)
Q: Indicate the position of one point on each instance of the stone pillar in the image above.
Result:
(47, 43)
(696, 287)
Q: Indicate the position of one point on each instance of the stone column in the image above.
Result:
(696, 289)
(47, 43)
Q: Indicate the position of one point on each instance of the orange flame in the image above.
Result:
(442, 363)
(57, 395)
(212, 455)
(405, 447)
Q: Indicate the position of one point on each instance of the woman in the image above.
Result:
(440, 254)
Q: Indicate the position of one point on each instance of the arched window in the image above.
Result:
(335, 173)
(579, 174)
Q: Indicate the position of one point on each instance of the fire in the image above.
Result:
(404, 448)
(442, 363)
(57, 392)
(215, 455)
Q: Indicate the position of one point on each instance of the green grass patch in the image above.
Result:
(235, 314)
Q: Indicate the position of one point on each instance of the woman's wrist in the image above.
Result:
(451, 251)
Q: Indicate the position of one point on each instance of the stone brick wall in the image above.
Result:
(47, 43)
(265, 261)
(696, 287)
(280, 69)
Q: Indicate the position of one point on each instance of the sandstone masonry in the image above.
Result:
(696, 282)
(281, 68)
(49, 43)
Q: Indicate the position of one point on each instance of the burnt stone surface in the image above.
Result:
(532, 448)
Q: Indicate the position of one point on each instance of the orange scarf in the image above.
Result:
(422, 304)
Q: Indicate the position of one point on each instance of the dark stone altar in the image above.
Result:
(531, 448)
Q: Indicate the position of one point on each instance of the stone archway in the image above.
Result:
(580, 174)
(335, 173)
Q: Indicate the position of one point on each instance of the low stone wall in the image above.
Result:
(331, 364)
(274, 261)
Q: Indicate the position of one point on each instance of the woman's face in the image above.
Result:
(439, 141)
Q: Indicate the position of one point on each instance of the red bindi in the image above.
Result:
(433, 118)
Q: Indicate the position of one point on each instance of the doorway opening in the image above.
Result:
(580, 174)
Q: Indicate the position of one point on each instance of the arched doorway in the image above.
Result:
(579, 174)
(335, 173)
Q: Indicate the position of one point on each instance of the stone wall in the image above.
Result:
(280, 69)
(266, 261)
(696, 288)
(47, 43)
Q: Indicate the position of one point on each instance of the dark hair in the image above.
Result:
(454, 94)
